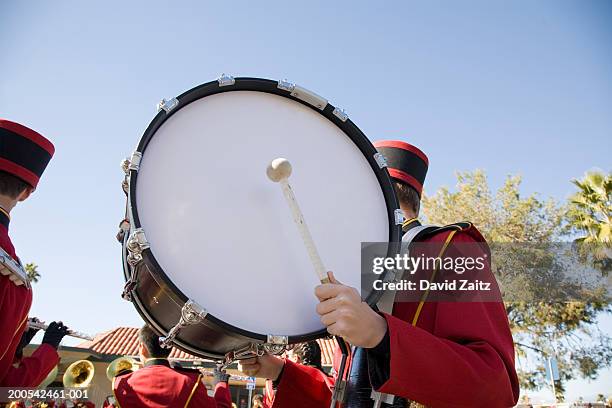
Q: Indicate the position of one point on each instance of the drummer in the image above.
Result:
(436, 354)
(159, 385)
(24, 155)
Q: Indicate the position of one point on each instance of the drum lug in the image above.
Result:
(191, 314)
(277, 339)
(380, 160)
(226, 80)
(125, 166)
(167, 105)
(130, 286)
(303, 94)
(340, 114)
(286, 85)
(399, 217)
(276, 344)
(248, 351)
(137, 242)
(135, 161)
(124, 228)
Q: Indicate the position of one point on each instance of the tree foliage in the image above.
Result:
(590, 216)
(32, 271)
(541, 329)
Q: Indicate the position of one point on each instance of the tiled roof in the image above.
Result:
(123, 341)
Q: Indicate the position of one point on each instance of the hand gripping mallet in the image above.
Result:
(279, 171)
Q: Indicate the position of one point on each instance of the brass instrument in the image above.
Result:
(79, 374)
(120, 365)
(34, 323)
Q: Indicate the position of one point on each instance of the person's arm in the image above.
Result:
(301, 386)
(471, 371)
(32, 370)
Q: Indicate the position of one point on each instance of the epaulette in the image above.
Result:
(13, 269)
(430, 231)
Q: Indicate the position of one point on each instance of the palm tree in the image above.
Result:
(590, 213)
(591, 207)
(32, 271)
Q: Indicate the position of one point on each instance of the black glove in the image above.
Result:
(27, 336)
(220, 375)
(54, 334)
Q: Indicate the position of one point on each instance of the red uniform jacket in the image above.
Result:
(15, 302)
(158, 386)
(460, 354)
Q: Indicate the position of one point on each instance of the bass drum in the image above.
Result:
(212, 257)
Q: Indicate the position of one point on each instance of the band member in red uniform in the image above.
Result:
(157, 385)
(436, 354)
(24, 155)
(307, 354)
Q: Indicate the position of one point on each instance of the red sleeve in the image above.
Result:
(222, 395)
(303, 387)
(461, 354)
(32, 370)
(440, 372)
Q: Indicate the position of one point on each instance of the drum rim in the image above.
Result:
(267, 86)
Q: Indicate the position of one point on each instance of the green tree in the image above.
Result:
(590, 216)
(590, 209)
(541, 329)
(32, 271)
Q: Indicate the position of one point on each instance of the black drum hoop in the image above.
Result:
(266, 86)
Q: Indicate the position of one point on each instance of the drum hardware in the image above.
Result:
(399, 217)
(15, 272)
(276, 345)
(338, 394)
(79, 374)
(34, 323)
(137, 242)
(124, 229)
(341, 114)
(381, 160)
(226, 80)
(380, 398)
(279, 171)
(167, 105)
(191, 314)
(303, 94)
(135, 161)
(130, 286)
(251, 350)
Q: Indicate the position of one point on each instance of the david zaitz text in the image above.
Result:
(460, 273)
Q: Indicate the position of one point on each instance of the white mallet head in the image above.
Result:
(279, 169)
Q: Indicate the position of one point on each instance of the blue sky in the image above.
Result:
(510, 87)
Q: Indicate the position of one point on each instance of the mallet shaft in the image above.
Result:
(298, 217)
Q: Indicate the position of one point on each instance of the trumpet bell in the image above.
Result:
(120, 365)
(79, 374)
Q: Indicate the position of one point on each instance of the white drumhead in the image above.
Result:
(222, 231)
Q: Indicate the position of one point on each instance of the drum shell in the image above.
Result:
(160, 306)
